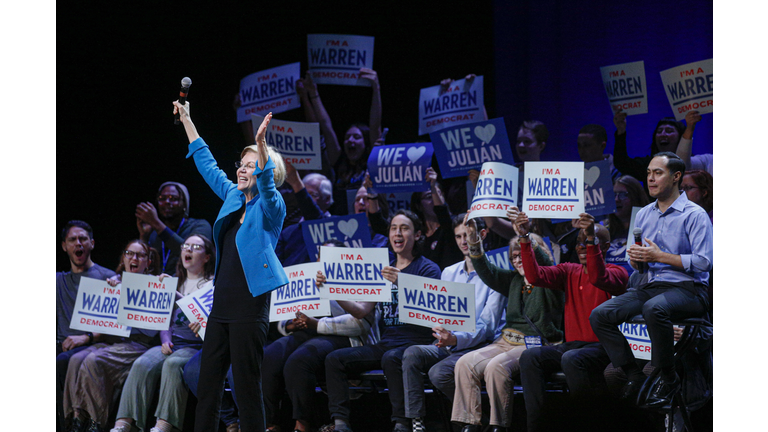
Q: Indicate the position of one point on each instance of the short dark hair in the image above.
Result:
(459, 220)
(597, 131)
(417, 226)
(79, 224)
(539, 129)
(674, 164)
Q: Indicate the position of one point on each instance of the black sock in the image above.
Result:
(668, 374)
(633, 371)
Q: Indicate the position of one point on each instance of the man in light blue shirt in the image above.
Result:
(440, 358)
(678, 258)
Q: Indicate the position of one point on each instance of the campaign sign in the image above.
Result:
(272, 90)
(598, 188)
(297, 142)
(400, 167)
(496, 191)
(431, 302)
(553, 190)
(96, 308)
(300, 295)
(689, 87)
(461, 103)
(146, 302)
(625, 86)
(639, 341)
(352, 230)
(500, 258)
(337, 59)
(196, 307)
(465, 147)
(355, 274)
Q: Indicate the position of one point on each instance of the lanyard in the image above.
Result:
(167, 254)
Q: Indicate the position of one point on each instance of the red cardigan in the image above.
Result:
(583, 292)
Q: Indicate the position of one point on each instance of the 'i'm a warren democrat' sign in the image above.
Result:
(355, 274)
(553, 190)
(433, 302)
(146, 302)
(297, 142)
(461, 103)
(272, 90)
(337, 59)
(625, 86)
(689, 87)
(96, 308)
(299, 295)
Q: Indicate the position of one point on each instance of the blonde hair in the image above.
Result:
(514, 245)
(279, 171)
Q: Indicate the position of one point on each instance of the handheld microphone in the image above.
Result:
(638, 233)
(185, 83)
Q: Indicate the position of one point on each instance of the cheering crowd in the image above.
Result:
(568, 283)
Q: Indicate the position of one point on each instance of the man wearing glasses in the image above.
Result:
(166, 226)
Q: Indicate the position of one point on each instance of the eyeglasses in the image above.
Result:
(170, 198)
(687, 188)
(139, 255)
(622, 195)
(193, 247)
(249, 165)
(515, 257)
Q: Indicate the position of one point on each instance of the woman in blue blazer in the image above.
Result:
(245, 233)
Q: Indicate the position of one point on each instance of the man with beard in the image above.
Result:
(166, 226)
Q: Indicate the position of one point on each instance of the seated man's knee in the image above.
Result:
(654, 311)
(530, 358)
(392, 359)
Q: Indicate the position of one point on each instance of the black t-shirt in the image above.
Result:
(232, 300)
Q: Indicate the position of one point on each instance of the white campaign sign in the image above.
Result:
(297, 142)
(337, 59)
(355, 274)
(496, 190)
(145, 302)
(689, 87)
(196, 307)
(300, 295)
(461, 103)
(553, 190)
(638, 339)
(96, 308)
(625, 86)
(272, 90)
(431, 302)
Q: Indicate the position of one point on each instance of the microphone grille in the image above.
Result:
(186, 82)
(637, 231)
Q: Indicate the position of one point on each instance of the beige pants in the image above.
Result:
(497, 364)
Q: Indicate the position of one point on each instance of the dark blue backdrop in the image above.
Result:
(548, 56)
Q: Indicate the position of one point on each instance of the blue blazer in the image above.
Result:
(264, 215)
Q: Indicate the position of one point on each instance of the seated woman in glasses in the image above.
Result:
(94, 373)
(179, 343)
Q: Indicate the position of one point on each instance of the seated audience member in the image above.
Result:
(77, 241)
(166, 362)
(294, 361)
(591, 144)
(627, 193)
(586, 285)
(405, 237)
(371, 204)
(440, 359)
(668, 136)
(531, 311)
(439, 245)
(314, 196)
(678, 259)
(96, 372)
(698, 187)
(164, 228)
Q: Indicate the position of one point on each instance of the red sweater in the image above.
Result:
(583, 292)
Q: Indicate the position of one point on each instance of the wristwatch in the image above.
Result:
(595, 241)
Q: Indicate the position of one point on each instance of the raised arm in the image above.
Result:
(685, 146)
(374, 119)
(323, 119)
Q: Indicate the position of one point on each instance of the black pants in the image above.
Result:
(242, 345)
(661, 303)
(583, 364)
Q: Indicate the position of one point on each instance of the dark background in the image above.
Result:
(118, 70)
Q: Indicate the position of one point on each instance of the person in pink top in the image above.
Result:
(586, 285)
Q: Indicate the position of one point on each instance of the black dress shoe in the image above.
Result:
(663, 392)
(499, 429)
(630, 391)
(471, 428)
